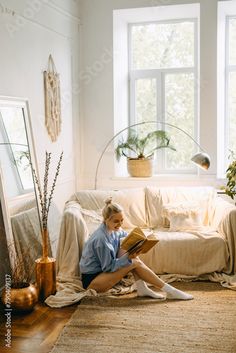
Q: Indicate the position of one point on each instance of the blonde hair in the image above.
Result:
(110, 208)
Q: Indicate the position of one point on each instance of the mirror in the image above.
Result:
(17, 190)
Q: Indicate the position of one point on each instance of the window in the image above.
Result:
(226, 83)
(162, 75)
(230, 119)
(163, 71)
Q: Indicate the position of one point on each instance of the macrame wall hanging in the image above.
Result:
(52, 100)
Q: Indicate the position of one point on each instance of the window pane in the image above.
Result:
(162, 45)
(232, 111)
(14, 127)
(145, 102)
(179, 103)
(232, 41)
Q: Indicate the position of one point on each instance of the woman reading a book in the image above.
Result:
(103, 263)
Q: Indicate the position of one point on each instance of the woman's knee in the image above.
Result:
(137, 262)
(103, 283)
(98, 287)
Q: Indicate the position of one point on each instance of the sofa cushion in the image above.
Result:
(131, 200)
(183, 216)
(156, 197)
(187, 253)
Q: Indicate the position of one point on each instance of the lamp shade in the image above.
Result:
(202, 159)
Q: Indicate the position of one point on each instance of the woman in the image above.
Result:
(103, 264)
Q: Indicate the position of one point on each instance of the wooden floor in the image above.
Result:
(35, 332)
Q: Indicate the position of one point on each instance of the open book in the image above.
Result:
(137, 241)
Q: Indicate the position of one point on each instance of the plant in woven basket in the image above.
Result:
(139, 150)
(139, 147)
(45, 197)
(230, 188)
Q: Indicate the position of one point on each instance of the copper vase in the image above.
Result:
(23, 298)
(45, 271)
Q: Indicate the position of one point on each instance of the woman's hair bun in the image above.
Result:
(110, 208)
(108, 201)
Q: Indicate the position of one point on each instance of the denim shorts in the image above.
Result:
(87, 278)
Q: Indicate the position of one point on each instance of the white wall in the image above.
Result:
(97, 91)
(30, 30)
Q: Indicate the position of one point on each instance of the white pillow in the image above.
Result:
(93, 219)
(156, 197)
(131, 200)
(183, 216)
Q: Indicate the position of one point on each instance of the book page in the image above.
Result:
(138, 241)
(132, 238)
(149, 243)
(136, 247)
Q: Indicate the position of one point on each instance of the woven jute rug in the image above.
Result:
(128, 324)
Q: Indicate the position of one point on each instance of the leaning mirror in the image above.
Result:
(17, 190)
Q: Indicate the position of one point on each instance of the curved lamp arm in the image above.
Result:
(201, 159)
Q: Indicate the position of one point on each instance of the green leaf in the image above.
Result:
(142, 146)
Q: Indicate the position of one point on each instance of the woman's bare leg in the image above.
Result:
(146, 274)
(106, 280)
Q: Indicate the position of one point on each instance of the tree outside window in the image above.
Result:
(163, 70)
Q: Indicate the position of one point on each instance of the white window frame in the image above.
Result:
(122, 97)
(160, 76)
(226, 10)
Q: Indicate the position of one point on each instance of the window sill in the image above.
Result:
(162, 177)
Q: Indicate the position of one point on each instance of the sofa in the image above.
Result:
(196, 230)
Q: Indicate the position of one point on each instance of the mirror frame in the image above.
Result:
(5, 201)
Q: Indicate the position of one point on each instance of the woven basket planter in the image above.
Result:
(140, 167)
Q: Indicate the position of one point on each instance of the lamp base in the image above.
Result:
(45, 277)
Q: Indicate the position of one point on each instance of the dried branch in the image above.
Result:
(54, 181)
(45, 189)
(21, 266)
(39, 190)
(45, 201)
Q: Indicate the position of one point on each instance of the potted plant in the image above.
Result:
(139, 150)
(230, 188)
(19, 293)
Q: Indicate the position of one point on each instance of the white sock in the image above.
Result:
(173, 293)
(144, 291)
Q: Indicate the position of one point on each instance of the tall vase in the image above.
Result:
(45, 271)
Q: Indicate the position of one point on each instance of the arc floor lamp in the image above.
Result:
(201, 159)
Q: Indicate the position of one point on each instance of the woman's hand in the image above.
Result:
(122, 252)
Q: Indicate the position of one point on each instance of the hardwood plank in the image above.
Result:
(36, 331)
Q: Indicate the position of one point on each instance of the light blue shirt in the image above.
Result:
(100, 252)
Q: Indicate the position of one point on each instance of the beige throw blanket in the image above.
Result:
(73, 236)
